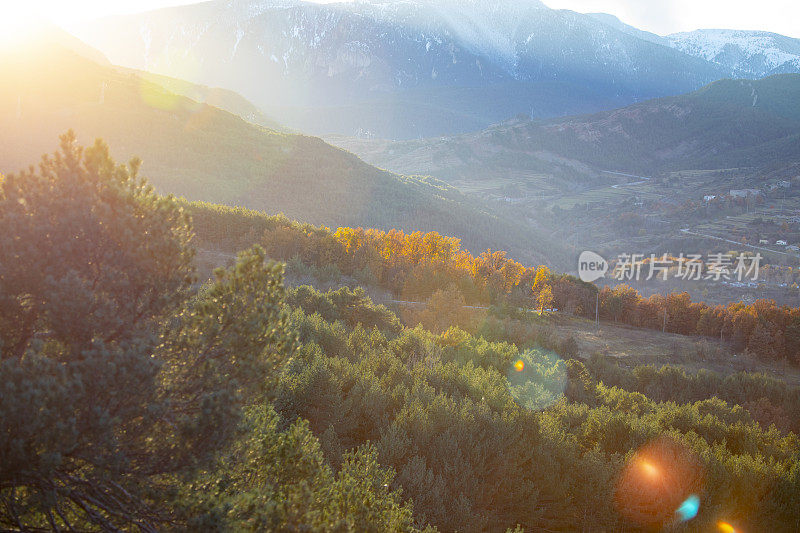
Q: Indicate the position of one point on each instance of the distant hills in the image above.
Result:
(205, 153)
(727, 124)
(403, 69)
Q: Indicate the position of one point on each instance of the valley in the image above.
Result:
(594, 171)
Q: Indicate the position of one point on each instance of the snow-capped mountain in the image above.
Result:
(745, 54)
(403, 68)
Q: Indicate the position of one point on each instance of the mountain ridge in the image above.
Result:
(340, 68)
(752, 54)
(729, 123)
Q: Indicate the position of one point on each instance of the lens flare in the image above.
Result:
(537, 379)
(725, 527)
(649, 469)
(659, 485)
(688, 508)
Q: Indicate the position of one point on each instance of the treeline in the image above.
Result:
(411, 266)
(414, 266)
(769, 331)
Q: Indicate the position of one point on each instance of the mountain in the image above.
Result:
(482, 161)
(730, 123)
(727, 124)
(401, 68)
(614, 22)
(741, 53)
(745, 54)
(204, 153)
(45, 33)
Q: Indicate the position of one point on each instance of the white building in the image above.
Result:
(744, 193)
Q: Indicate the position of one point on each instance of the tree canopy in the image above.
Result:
(133, 397)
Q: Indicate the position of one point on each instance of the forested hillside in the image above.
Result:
(203, 153)
(416, 266)
(135, 396)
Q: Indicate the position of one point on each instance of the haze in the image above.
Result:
(662, 17)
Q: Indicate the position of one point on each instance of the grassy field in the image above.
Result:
(633, 346)
(610, 194)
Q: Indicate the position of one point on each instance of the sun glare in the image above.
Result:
(16, 22)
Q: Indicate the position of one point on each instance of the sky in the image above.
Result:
(658, 16)
(670, 16)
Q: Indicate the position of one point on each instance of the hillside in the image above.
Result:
(401, 69)
(214, 96)
(203, 153)
(727, 124)
(52, 35)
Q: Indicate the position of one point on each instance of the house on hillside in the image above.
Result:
(707, 198)
(763, 241)
(744, 193)
(780, 185)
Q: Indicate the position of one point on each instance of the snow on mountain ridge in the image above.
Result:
(756, 53)
(484, 28)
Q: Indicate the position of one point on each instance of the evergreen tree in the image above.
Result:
(112, 378)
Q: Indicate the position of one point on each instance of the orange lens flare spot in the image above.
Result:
(649, 469)
(519, 366)
(660, 478)
(725, 527)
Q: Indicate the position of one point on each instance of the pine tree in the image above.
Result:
(113, 376)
